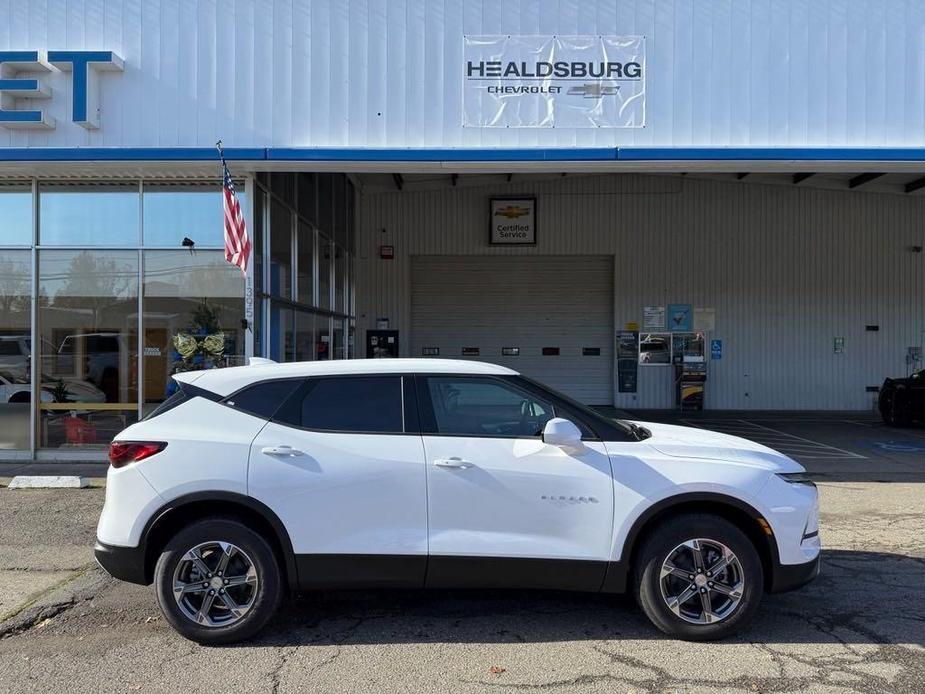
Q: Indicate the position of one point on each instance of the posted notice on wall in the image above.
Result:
(554, 81)
(513, 221)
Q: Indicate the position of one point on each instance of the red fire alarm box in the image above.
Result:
(386, 252)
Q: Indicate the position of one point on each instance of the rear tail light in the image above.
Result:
(121, 453)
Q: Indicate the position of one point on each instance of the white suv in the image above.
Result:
(407, 473)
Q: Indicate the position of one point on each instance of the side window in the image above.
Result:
(485, 407)
(362, 404)
(263, 399)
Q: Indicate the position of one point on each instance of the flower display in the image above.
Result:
(185, 344)
(214, 344)
(202, 344)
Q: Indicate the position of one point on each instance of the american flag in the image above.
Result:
(237, 245)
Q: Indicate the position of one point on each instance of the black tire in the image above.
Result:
(895, 413)
(656, 550)
(266, 596)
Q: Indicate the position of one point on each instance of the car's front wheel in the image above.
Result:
(699, 577)
(218, 581)
(894, 411)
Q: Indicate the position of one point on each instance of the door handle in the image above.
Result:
(453, 462)
(280, 450)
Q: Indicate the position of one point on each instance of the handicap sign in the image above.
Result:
(716, 349)
(900, 446)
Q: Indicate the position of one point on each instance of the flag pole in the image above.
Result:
(248, 320)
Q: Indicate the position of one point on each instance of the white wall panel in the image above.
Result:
(361, 73)
(787, 269)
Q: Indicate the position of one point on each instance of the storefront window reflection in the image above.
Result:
(281, 337)
(88, 354)
(174, 213)
(15, 343)
(16, 215)
(305, 265)
(325, 259)
(193, 305)
(306, 341)
(89, 215)
(280, 250)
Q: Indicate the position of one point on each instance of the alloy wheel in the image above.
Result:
(215, 584)
(702, 581)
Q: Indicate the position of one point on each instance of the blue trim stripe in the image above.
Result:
(36, 154)
(437, 155)
(771, 153)
(559, 154)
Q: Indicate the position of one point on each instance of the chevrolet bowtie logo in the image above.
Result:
(593, 90)
(512, 212)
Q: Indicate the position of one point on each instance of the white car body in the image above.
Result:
(353, 508)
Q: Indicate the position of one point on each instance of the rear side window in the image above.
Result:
(184, 392)
(361, 404)
(178, 397)
(263, 399)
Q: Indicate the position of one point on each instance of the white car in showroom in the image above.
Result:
(252, 482)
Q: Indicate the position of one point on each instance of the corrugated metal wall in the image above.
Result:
(786, 268)
(377, 73)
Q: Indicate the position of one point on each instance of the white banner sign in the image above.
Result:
(554, 82)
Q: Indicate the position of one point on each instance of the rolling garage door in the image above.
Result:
(532, 304)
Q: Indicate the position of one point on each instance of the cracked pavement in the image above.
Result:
(860, 627)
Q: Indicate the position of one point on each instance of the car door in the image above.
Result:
(504, 508)
(338, 468)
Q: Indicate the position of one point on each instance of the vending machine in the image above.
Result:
(690, 366)
(381, 344)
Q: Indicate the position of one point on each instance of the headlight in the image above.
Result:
(796, 478)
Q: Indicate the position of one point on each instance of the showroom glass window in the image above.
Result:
(193, 304)
(309, 307)
(88, 348)
(89, 214)
(16, 214)
(15, 344)
(175, 212)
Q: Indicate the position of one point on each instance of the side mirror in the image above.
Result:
(564, 434)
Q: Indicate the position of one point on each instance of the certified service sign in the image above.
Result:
(513, 220)
(554, 81)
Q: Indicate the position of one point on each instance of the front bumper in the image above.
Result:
(792, 576)
(124, 563)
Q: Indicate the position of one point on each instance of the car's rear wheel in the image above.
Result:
(699, 577)
(218, 581)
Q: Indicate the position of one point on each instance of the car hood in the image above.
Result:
(703, 444)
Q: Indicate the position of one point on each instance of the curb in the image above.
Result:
(83, 585)
(48, 482)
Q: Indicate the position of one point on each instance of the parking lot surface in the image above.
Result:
(860, 627)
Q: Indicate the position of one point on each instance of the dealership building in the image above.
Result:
(604, 196)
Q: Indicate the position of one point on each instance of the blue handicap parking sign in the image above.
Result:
(716, 349)
(900, 446)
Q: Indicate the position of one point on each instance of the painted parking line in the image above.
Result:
(788, 444)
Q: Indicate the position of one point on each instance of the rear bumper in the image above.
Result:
(124, 563)
(792, 576)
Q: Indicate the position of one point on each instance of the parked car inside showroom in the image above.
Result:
(252, 482)
(902, 400)
(17, 389)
